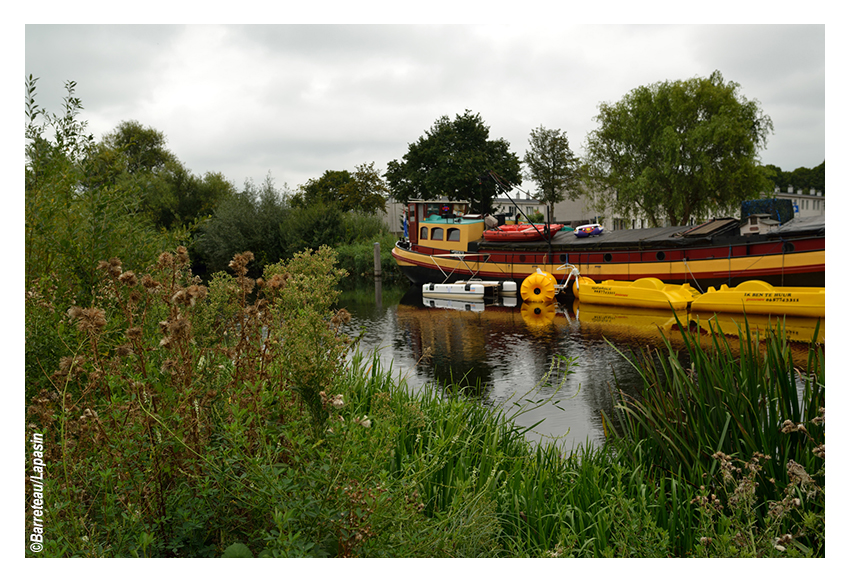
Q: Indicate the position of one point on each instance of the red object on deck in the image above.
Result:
(521, 232)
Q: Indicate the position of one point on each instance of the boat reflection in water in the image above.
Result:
(631, 324)
(510, 355)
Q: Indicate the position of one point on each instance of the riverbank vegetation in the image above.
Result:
(189, 420)
(234, 415)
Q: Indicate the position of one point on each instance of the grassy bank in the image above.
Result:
(185, 420)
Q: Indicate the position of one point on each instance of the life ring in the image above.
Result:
(538, 288)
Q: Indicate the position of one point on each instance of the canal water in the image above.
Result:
(555, 367)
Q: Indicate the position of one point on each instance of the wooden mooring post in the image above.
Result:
(377, 248)
(378, 297)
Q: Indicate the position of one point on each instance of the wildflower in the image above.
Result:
(364, 422)
(88, 413)
(781, 542)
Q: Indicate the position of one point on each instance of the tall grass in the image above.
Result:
(476, 471)
(693, 423)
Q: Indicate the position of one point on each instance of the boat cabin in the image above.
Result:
(443, 225)
(759, 224)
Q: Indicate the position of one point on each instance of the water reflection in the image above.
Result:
(512, 355)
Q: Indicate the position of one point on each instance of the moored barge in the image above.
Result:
(445, 244)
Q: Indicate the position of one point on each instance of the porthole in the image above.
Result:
(522, 258)
(788, 247)
(660, 256)
(563, 258)
(607, 257)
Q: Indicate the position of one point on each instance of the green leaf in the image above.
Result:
(237, 550)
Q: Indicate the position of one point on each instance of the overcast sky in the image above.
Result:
(297, 100)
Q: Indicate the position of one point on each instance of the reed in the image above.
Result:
(732, 405)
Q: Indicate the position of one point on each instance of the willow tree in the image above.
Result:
(679, 150)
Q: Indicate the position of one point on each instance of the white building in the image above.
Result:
(805, 204)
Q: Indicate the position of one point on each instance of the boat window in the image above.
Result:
(660, 255)
(607, 257)
(788, 247)
(564, 258)
(436, 234)
(423, 233)
(454, 234)
(522, 258)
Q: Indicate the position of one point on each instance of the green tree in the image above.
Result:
(801, 178)
(679, 150)
(450, 160)
(72, 220)
(135, 158)
(364, 191)
(142, 148)
(327, 188)
(552, 165)
(250, 220)
(368, 191)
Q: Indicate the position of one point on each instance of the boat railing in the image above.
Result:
(461, 258)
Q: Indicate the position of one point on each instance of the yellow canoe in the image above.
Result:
(647, 293)
(758, 297)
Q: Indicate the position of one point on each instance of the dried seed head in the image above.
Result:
(129, 279)
(182, 255)
(247, 284)
(149, 283)
(240, 261)
(341, 317)
(166, 260)
(91, 319)
(277, 281)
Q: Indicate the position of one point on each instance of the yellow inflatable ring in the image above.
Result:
(538, 288)
(538, 315)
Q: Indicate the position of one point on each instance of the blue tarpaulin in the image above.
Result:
(781, 210)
